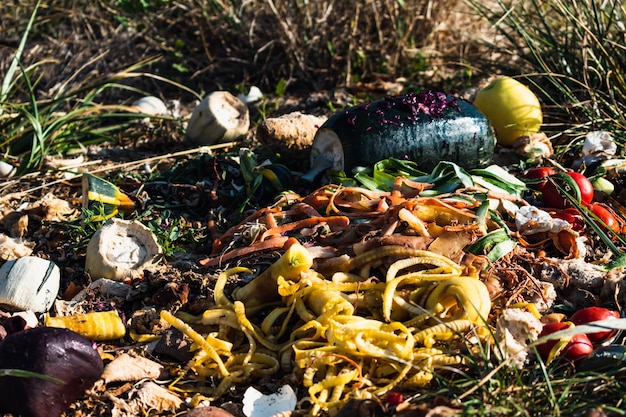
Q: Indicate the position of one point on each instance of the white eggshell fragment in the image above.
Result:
(29, 283)
(254, 94)
(121, 250)
(220, 117)
(6, 170)
(151, 105)
(255, 404)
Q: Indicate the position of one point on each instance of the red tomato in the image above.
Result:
(538, 173)
(606, 216)
(552, 198)
(589, 314)
(576, 349)
(572, 216)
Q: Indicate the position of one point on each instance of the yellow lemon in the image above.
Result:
(511, 107)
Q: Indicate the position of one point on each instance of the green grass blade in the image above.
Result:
(13, 67)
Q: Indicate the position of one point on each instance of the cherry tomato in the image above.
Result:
(538, 173)
(572, 216)
(606, 216)
(552, 198)
(578, 347)
(589, 314)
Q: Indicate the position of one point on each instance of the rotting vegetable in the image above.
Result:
(104, 199)
(29, 283)
(591, 314)
(98, 325)
(540, 175)
(219, 117)
(263, 288)
(575, 183)
(512, 108)
(120, 250)
(573, 348)
(425, 127)
(605, 216)
(58, 353)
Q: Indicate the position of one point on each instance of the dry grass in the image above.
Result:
(286, 45)
(574, 54)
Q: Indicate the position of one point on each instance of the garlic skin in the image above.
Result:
(120, 250)
(29, 283)
(220, 117)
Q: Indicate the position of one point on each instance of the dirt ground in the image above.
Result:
(177, 187)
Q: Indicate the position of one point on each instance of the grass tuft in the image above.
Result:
(575, 54)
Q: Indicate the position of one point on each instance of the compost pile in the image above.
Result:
(336, 296)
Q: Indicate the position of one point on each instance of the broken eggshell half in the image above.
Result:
(151, 105)
(220, 117)
(121, 250)
(29, 283)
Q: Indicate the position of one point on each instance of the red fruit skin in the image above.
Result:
(552, 198)
(572, 216)
(538, 173)
(578, 347)
(394, 398)
(606, 216)
(589, 314)
(549, 328)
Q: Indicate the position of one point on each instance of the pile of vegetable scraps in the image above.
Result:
(369, 285)
(376, 284)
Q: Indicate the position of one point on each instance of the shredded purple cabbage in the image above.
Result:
(428, 102)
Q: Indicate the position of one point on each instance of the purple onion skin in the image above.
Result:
(59, 353)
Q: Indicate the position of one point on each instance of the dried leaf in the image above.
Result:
(20, 226)
(13, 248)
(127, 367)
(153, 396)
(208, 411)
(51, 208)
